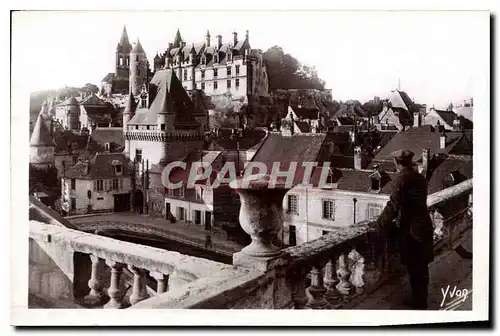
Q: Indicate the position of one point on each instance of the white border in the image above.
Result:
(19, 246)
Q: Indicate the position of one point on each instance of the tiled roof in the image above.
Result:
(250, 138)
(170, 98)
(41, 134)
(400, 99)
(97, 112)
(303, 126)
(416, 142)
(345, 121)
(99, 167)
(359, 180)
(306, 113)
(108, 78)
(93, 100)
(442, 167)
(447, 116)
(70, 101)
(113, 135)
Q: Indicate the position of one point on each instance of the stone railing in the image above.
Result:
(72, 249)
(336, 270)
(333, 271)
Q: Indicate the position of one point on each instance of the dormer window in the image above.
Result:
(216, 58)
(204, 60)
(215, 73)
(106, 146)
(230, 57)
(375, 184)
(118, 166)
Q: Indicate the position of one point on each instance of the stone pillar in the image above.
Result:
(261, 216)
(343, 273)
(162, 281)
(139, 292)
(114, 292)
(316, 292)
(330, 280)
(96, 296)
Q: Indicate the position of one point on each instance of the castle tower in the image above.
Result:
(123, 56)
(73, 114)
(138, 68)
(41, 145)
(128, 114)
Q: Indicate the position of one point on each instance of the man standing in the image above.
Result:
(408, 207)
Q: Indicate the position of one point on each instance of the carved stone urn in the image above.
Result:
(261, 214)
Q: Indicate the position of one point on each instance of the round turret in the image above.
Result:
(138, 68)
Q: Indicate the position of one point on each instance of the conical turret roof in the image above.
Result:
(131, 104)
(124, 44)
(138, 48)
(177, 39)
(41, 134)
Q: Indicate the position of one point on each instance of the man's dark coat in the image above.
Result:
(408, 207)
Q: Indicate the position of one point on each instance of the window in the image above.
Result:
(138, 155)
(375, 184)
(228, 83)
(170, 192)
(181, 213)
(162, 127)
(73, 184)
(328, 209)
(292, 235)
(203, 86)
(118, 169)
(374, 210)
(202, 74)
(116, 184)
(185, 74)
(137, 58)
(121, 60)
(203, 61)
(293, 204)
(215, 85)
(216, 58)
(181, 192)
(197, 217)
(237, 70)
(98, 185)
(73, 203)
(215, 73)
(237, 83)
(325, 232)
(228, 71)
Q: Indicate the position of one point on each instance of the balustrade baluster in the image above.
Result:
(316, 292)
(114, 292)
(299, 291)
(343, 273)
(162, 282)
(96, 295)
(330, 280)
(139, 292)
(357, 271)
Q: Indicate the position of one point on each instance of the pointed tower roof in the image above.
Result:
(124, 44)
(208, 33)
(131, 104)
(138, 48)
(41, 134)
(177, 39)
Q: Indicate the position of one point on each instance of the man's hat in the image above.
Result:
(403, 154)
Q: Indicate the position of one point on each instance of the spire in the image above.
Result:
(138, 48)
(177, 39)
(124, 41)
(41, 134)
(208, 34)
(131, 105)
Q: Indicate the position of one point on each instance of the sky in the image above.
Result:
(430, 55)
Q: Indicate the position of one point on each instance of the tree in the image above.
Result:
(286, 72)
(90, 88)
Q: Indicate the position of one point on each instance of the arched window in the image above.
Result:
(121, 60)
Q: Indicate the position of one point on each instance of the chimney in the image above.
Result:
(235, 38)
(219, 41)
(424, 166)
(442, 140)
(207, 39)
(357, 158)
(417, 119)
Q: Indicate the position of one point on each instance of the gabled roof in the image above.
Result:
(93, 100)
(360, 180)
(41, 134)
(400, 99)
(170, 98)
(99, 167)
(306, 113)
(447, 116)
(112, 135)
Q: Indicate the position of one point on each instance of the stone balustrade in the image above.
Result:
(170, 270)
(334, 271)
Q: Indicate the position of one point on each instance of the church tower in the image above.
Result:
(123, 56)
(138, 68)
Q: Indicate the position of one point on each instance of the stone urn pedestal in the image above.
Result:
(261, 217)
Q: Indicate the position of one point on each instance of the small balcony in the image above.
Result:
(351, 268)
